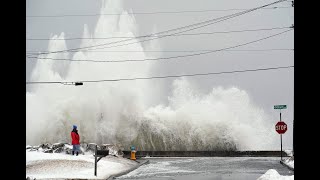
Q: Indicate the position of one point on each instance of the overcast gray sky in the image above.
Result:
(265, 88)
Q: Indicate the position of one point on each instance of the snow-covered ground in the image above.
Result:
(42, 165)
(272, 174)
(289, 161)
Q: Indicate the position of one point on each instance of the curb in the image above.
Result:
(129, 170)
(281, 162)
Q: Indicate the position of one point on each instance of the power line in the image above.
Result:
(186, 34)
(154, 59)
(222, 19)
(188, 26)
(165, 58)
(174, 51)
(148, 13)
(162, 77)
(145, 36)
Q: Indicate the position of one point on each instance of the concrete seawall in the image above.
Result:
(207, 154)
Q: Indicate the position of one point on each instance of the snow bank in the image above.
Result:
(289, 162)
(272, 174)
(41, 165)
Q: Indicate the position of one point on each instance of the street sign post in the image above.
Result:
(281, 127)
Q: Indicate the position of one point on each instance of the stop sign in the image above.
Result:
(281, 127)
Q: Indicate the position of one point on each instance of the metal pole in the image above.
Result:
(293, 138)
(293, 126)
(281, 146)
(281, 138)
(95, 161)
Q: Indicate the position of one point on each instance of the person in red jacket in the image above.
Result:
(75, 140)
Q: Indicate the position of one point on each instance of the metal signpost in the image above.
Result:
(281, 127)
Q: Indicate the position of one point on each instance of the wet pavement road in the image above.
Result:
(205, 168)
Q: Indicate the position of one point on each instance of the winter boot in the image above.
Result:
(77, 153)
(72, 153)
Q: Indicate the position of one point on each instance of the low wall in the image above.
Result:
(206, 154)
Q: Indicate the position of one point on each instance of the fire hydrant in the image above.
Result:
(133, 153)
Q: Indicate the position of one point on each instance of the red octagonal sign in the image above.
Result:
(281, 127)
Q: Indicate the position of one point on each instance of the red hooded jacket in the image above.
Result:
(75, 138)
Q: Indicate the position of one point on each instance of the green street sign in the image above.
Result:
(280, 106)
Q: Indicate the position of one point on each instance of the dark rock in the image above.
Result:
(57, 145)
(58, 150)
(34, 148)
(47, 150)
(45, 146)
(67, 148)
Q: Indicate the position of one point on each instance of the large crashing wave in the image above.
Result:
(223, 119)
(118, 112)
